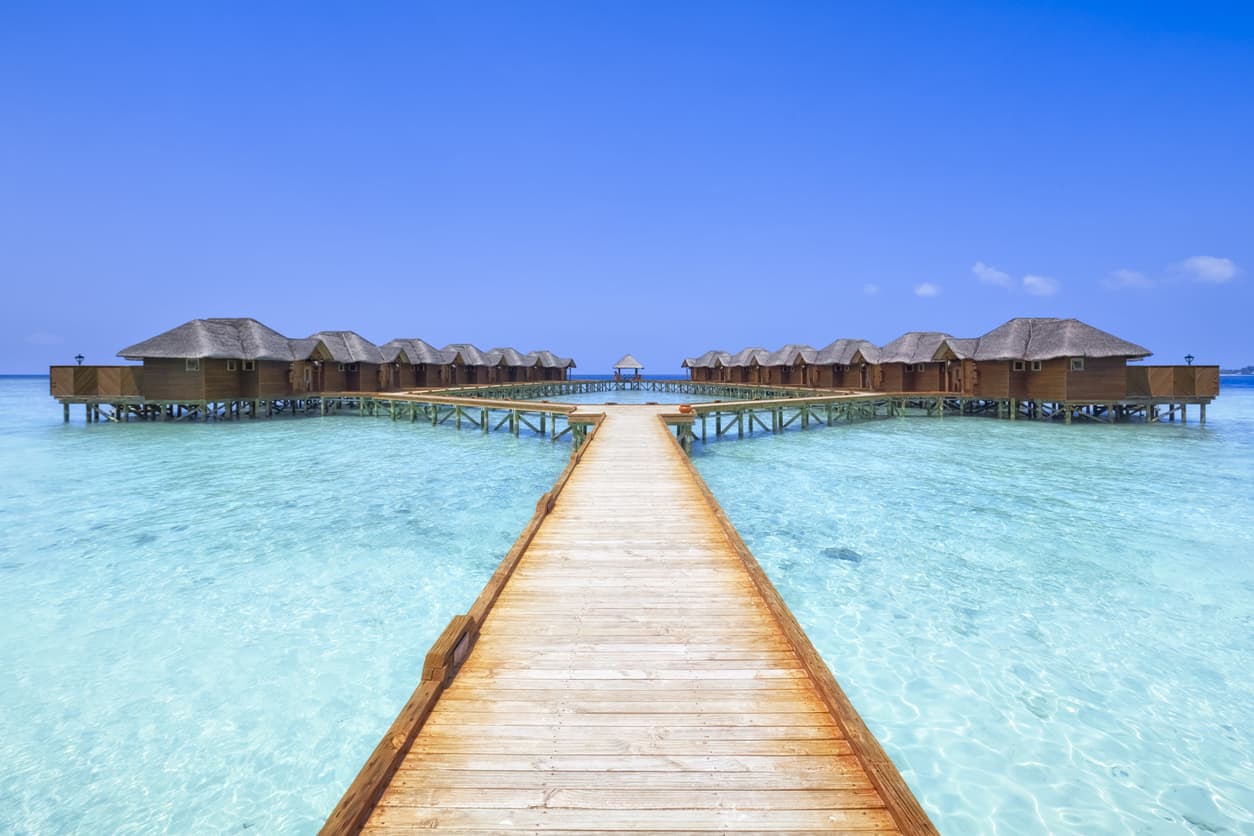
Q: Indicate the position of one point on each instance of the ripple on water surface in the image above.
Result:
(1049, 628)
(207, 628)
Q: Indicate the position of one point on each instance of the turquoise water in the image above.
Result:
(1049, 628)
(208, 627)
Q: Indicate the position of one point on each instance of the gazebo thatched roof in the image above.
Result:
(628, 362)
(222, 338)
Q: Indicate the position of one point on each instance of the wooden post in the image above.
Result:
(1202, 417)
(740, 423)
(703, 428)
(1184, 413)
(65, 409)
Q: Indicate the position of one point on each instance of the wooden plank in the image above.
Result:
(388, 818)
(634, 677)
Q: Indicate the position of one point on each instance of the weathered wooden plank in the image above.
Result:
(633, 677)
(390, 818)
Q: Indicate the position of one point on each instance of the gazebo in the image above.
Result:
(628, 363)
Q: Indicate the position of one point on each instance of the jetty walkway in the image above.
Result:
(628, 668)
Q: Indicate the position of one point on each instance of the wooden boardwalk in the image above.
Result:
(638, 673)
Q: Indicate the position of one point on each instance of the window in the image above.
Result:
(909, 367)
(230, 365)
(1077, 364)
(1036, 365)
(192, 364)
(1018, 365)
(250, 365)
(341, 367)
(352, 367)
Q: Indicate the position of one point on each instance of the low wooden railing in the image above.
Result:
(96, 381)
(1173, 381)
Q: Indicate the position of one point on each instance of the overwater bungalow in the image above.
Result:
(553, 367)
(791, 365)
(847, 364)
(710, 367)
(428, 366)
(957, 354)
(356, 364)
(219, 360)
(628, 366)
(745, 366)
(907, 363)
(512, 366)
(1046, 359)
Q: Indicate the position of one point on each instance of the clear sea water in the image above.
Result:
(1049, 628)
(207, 628)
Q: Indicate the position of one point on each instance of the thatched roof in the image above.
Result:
(956, 348)
(628, 362)
(748, 356)
(418, 351)
(470, 355)
(913, 347)
(230, 339)
(708, 360)
(551, 361)
(514, 357)
(789, 354)
(842, 352)
(1040, 338)
(349, 347)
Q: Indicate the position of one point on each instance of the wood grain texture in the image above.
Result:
(629, 675)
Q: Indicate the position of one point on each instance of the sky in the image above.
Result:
(602, 177)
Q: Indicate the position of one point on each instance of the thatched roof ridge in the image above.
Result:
(551, 361)
(1047, 338)
(787, 356)
(470, 355)
(514, 357)
(747, 356)
(708, 360)
(960, 348)
(419, 352)
(841, 352)
(349, 347)
(913, 347)
(628, 362)
(241, 338)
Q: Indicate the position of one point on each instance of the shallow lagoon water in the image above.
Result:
(208, 627)
(1049, 628)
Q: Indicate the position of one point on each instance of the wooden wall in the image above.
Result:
(168, 380)
(1102, 378)
(221, 383)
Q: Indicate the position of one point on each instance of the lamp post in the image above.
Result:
(1188, 358)
(78, 358)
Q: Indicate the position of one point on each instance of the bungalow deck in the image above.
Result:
(615, 676)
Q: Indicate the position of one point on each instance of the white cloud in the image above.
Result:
(1208, 269)
(44, 338)
(870, 289)
(926, 290)
(991, 275)
(1040, 285)
(1124, 279)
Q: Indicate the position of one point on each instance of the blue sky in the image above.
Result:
(605, 177)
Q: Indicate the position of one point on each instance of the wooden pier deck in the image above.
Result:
(636, 672)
